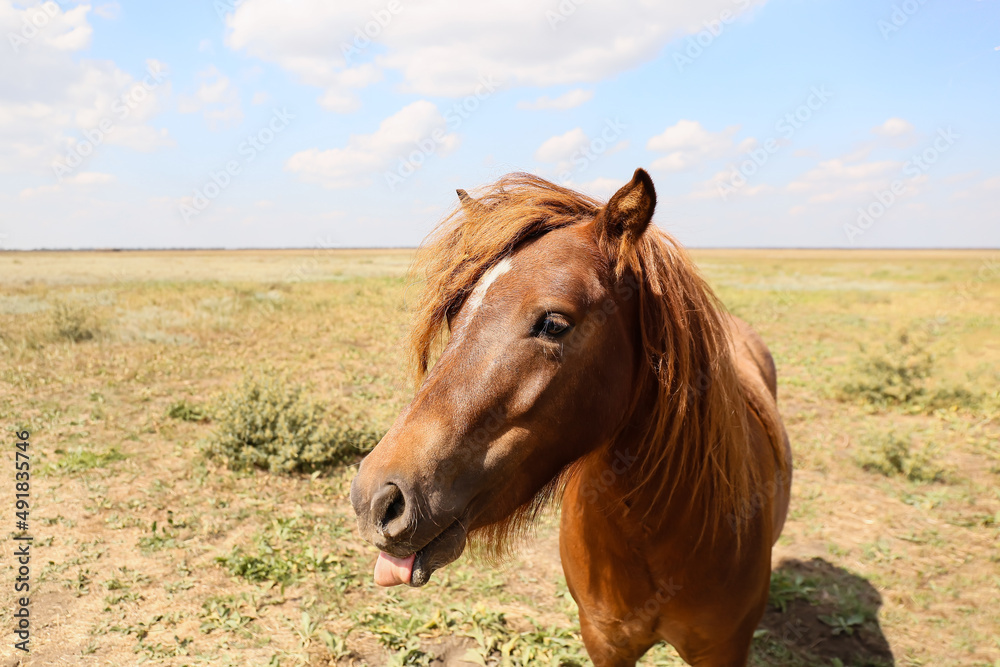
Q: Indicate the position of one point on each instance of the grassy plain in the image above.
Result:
(147, 551)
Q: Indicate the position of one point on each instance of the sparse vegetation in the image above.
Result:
(892, 454)
(268, 422)
(265, 568)
(894, 375)
(188, 411)
(228, 613)
(899, 373)
(281, 564)
(786, 587)
(159, 537)
(75, 322)
(81, 459)
(843, 624)
(489, 636)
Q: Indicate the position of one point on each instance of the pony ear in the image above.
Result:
(470, 205)
(623, 220)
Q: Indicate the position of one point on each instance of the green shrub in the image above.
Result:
(897, 376)
(267, 422)
(891, 455)
(189, 412)
(74, 322)
(957, 397)
(894, 376)
(81, 459)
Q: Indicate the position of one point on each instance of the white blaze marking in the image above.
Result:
(497, 270)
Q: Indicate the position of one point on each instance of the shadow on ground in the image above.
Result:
(821, 614)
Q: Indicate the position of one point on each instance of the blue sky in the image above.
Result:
(271, 123)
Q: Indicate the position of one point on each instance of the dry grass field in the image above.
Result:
(147, 550)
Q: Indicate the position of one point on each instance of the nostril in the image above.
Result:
(395, 510)
(387, 506)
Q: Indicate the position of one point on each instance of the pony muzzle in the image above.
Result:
(388, 520)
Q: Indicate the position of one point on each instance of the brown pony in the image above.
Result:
(580, 354)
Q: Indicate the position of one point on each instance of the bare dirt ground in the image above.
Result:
(147, 551)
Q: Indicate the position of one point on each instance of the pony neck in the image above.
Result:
(681, 452)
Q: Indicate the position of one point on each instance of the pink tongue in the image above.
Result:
(390, 571)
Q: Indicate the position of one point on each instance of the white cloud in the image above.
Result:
(845, 178)
(984, 191)
(574, 152)
(217, 99)
(562, 146)
(84, 178)
(721, 187)
(961, 177)
(52, 102)
(894, 127)
(600, 187)
(28, 193)
(689, 145)
(442, 48)
(140, 138)
(570, 100)
(91, 178)
(418, 127)
(40, 26)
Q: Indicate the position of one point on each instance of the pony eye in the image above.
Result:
(551, 325)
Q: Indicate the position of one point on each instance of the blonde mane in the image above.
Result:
(694, 438)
